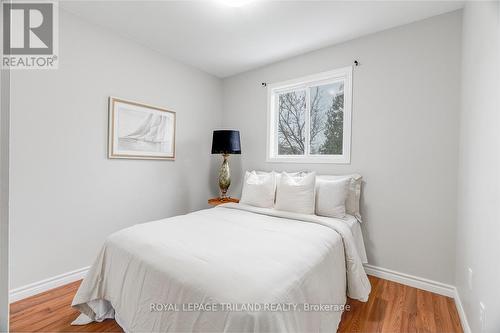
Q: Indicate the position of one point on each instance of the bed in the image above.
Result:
(233, 268)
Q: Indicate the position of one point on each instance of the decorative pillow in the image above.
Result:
(331, 196)
(277, 176)
(258, 189)
(353, 193)
(296, 194)
(291, 174)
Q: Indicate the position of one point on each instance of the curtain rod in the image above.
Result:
(355, 63)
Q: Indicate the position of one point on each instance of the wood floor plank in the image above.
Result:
(455, 319)
(395, 308)
(408, 319)
(391, 308)
(441, 314)
(44, 297)
(425, 312)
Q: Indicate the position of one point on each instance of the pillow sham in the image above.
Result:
(331, 196)
(291, 174)
(296, 193)
(258, 189)
(353, 192)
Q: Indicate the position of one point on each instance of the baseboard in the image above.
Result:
(47, 284)
(424, 284)
(411, 280)
(461, 312)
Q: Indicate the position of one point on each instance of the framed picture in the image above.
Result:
(140, 131)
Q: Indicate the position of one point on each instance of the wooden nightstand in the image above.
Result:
(219, 201)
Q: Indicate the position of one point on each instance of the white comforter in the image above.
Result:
(250, 269)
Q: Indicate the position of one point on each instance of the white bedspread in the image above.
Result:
(152, 276)
(355, 227)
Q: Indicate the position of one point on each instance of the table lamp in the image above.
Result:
(225, 142)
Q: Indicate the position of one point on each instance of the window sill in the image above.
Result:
(310, 160)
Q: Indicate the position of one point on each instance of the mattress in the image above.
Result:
(233, 268)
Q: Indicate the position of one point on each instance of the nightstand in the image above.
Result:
(219, 201)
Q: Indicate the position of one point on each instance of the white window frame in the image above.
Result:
(306, 82)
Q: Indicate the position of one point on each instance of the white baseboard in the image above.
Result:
(424, 284)
(47, 284)
(461, 312)
(411, 280)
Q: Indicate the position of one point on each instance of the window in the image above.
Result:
(309, 119)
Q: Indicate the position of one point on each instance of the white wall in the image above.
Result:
(66, 195)
(404, 137)
(478, 229)
(4, 190)
(4, 199)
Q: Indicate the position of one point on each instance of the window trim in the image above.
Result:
(305, 82)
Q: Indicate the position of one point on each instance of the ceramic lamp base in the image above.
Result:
(224, 177)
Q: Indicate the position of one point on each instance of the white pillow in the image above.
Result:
(296, 194)
(331, 196)
(291, 174)
(353, 193)
(258, 189)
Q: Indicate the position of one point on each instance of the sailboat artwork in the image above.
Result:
(140, 131)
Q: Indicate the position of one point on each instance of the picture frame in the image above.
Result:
(140, 131)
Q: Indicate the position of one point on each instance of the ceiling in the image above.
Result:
(225, 40)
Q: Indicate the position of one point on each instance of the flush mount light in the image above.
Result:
(235, 3)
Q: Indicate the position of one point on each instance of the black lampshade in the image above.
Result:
(226, 142)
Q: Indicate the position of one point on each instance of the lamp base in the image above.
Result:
(224, 177)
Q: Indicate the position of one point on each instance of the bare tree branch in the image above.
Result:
(292, 123)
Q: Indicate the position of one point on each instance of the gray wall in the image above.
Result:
(404, 137)
(66, 195)
(478, 229)
(4, 190)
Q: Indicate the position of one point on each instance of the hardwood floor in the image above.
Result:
(51, 311)
(392, 307)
